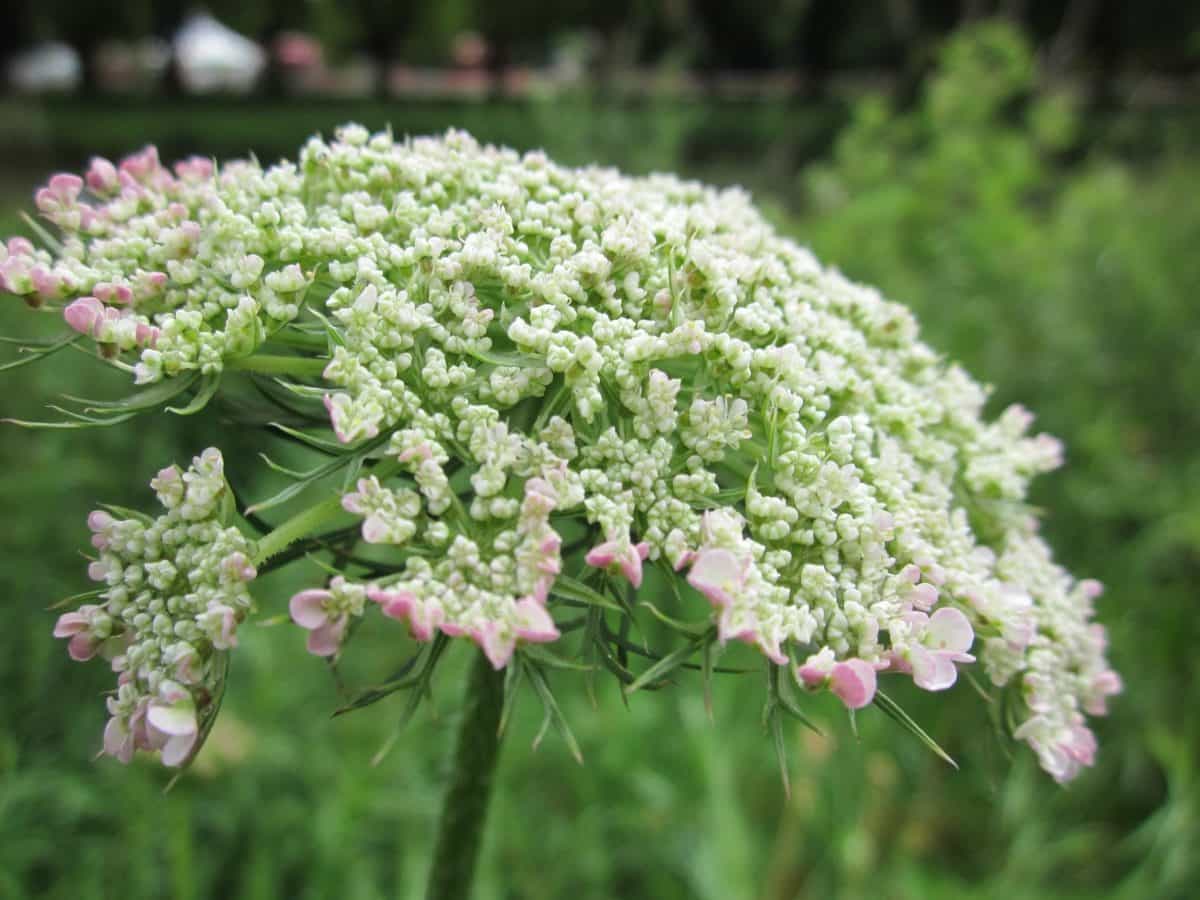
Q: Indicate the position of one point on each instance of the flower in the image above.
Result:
(935, 643)
(626, 556)
(534, 363)
(174, 590)
(325, 614)
(851, 680)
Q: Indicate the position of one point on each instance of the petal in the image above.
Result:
(717, 575)
(118, 740)
(631, 566)
(308, 608)
(178, 749)
(497, 647)
(424, 620)
(82, 647)
(176, 719)
(325, 640)
(949, 629)
(602, 554)
(533, 623)
(933, 670)
(70, 624)
(853, 682)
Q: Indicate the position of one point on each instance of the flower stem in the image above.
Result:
(298, 526)
(464, 809)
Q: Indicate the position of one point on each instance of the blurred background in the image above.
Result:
(1023, 174)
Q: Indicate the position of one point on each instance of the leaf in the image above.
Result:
(418, 691)
(329, 448)
(397, 681)
(553, 713)
(155, 395)
(208, 390)
(318, 473)
(780, 751)
(692, 628)
(36, 352)
(669, 663)
(43, 235)
(571, 589)
(547, 657)
(893, 711)
(512, 687)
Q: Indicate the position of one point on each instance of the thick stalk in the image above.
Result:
(464, 809)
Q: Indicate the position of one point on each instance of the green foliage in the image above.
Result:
(1071, 286)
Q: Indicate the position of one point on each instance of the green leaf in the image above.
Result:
(397, 681)
(670, 662)
(894, 712)
(208, 390)
(569, 588)
(553, 715)
(36, 352)
(155, 395)
(512, 687)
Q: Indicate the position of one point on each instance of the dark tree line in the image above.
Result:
(813, 36)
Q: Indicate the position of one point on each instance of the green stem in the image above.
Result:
(465, 807)
(265, 364)
(298, 526)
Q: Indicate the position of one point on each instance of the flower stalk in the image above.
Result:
(464, 810)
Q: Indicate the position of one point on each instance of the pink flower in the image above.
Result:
(312, 611)
(936, 643)
(142, 165)
(172, 725)
(533, 622)
(194, 169)
(116, 294)
(852, 681)
(423, 618)
(78, 626)
(1103, 686)
(85, 315)
(101, 177)
(718, 575)
(627, 557)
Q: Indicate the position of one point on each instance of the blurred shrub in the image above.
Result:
(1073, 290)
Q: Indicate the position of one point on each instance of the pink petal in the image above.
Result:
(425, 619)
(118, 740)
(325, 640)
(602, 555)
(82, 647)
(533, 622)
(84, 315)
(932, 670)
(70, 624)
(496, 647)
(175, 719)
(308, 608)
(853, 682)
(949, 629)
(631, 566)
(178, 749)
(717, 575)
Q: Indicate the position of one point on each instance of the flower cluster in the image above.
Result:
(173, 594)
(538, 347)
